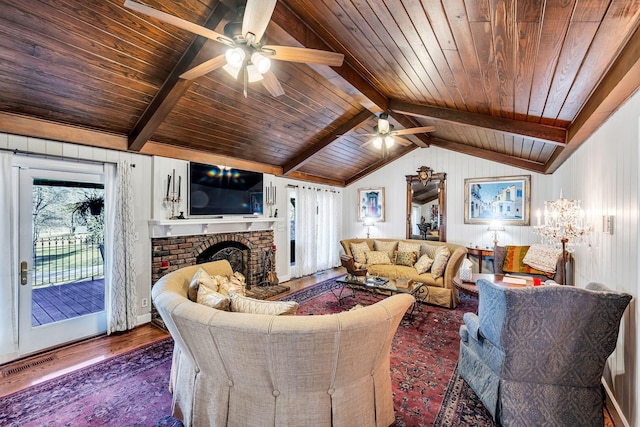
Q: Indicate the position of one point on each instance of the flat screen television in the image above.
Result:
(215, 191)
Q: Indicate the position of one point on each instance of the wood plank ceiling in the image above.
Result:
(523, 83)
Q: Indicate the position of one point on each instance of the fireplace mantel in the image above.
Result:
(189, 227)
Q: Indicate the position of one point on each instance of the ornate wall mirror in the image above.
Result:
(426, 205)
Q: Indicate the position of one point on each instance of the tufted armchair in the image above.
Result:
(535, 355)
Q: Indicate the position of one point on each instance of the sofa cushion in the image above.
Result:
(408, 247)
(377, 257)
(358, 250)
(405, 258)
(440, 260)
(242, 304)
(513, 262)
(388, 247)
(213, 299)
(423, 264)
(226, 286)
(542, 257)
(200, 278)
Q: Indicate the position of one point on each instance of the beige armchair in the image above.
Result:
(256, 370)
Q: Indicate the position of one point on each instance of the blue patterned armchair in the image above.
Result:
(535, 355)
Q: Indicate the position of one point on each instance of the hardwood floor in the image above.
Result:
(21, 374)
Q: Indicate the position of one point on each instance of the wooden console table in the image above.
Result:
(480, 253)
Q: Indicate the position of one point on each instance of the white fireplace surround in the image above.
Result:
(190, 227)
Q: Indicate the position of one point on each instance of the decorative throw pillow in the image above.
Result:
(440, 261)
(212, 299)
(513, 262)
(358, 250)
(239, 282)
(377, 257)
(423, 264)
(388, 247)
(405, 258)
(429, 250)
(200, 278)
(542, 257)
(243, 304)
(408, 247)
(227, 287)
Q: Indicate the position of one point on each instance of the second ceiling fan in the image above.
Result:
(385, 135)
(248, 56)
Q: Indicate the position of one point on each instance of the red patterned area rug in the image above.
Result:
(424, 354)
(128, 390)
(132, 389)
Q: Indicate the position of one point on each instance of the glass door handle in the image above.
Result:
(23, 273)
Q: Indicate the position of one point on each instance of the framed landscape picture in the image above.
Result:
(371, 204)
(505, 199)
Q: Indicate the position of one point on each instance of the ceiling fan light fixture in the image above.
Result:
(254, 75)
(383, 124)
(261, 62)
(377, 142)
(233, 71)
(388, 141)
(235, 57)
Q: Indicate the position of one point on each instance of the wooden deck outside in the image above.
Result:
(60, 302)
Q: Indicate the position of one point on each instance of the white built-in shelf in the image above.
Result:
(190, 227)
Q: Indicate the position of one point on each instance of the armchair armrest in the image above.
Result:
(472, 322)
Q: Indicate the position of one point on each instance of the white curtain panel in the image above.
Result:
(8, 296)
(329, 228)
(122, 305)
(306, 231)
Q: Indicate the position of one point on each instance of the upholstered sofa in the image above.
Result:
(535, 355)
(241, 369)
(442, 291)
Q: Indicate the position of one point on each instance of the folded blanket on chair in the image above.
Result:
(542, 257)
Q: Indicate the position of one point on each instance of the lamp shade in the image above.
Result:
(495, 226)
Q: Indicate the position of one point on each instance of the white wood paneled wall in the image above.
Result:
(457, 167)
(142, 190)
(603, 173)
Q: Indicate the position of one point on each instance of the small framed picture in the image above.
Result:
(371, 204)
(505, 199)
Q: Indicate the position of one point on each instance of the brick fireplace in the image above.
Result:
(181, 251)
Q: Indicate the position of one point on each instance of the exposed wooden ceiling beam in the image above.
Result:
(488, 155)
(285, 18)
(550, 134)
(173, 87)
(302, 158)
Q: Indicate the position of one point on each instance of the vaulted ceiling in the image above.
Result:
(522, 83)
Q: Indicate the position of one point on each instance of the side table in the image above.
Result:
(480, 253)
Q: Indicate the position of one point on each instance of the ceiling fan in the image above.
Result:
(385, 135)
(248, 55)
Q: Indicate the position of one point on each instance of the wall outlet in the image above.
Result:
(145, 302)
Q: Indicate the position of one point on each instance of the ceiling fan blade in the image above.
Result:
(308, 56)
(204, 68)
(412, 131)
(271, 83)
(178, 22)
(402, 141)
(257, 15)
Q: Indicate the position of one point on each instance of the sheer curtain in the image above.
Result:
(306, 231)
(329, 228)
(8, 297)
(318, 229)
(122, 304)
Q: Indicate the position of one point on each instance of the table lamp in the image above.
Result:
(495, 226)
